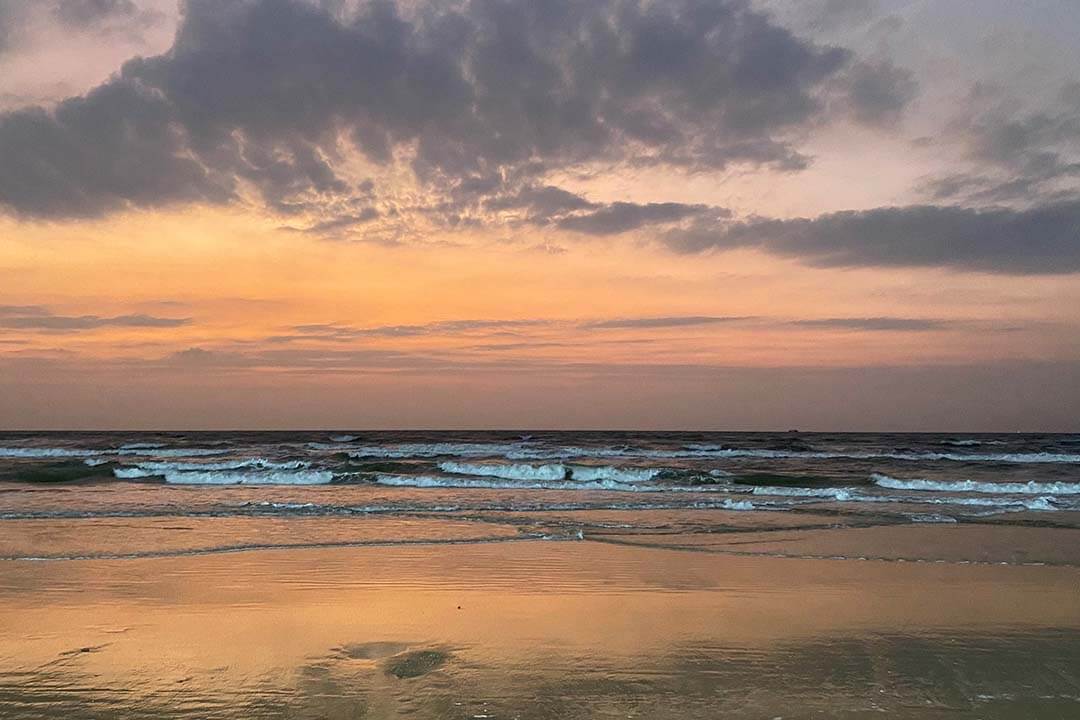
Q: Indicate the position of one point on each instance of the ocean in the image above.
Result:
(623, 478)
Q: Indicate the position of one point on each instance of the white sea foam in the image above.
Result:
(253, 463)
(509, 472)
(1028, 488)
(141, 446)
(172, 452)
(623, 475)
(342, 438)
(35, 452)
(575, 475)
(1002, 504)
(253, 477)
(841, 494)
(408, 450)
(159, 469)
(933, 518)
(132, 473)
(461, 481)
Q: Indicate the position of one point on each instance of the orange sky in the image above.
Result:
(161, 313)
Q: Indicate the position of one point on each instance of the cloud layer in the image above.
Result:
(1041, 240)
(269, 93)
(37, 317)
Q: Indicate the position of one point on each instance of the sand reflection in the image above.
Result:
(553, 630)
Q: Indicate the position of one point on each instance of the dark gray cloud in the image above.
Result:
(260, 93)
(540, 201)
(1040, 240)
(843, 13)
(663, 322)
(340, 224)
(547, 205)
(115, 147)
(875, 324)
(620, 217)
(79, 13)
(10, 16)
(38, 317)
(880, 92)
(1016, 156)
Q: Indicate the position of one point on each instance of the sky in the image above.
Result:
(654, 214)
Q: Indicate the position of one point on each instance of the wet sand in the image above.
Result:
(535, 629)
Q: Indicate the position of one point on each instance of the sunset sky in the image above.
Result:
(714, 214)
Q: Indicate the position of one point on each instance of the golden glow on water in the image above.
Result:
(526, 628)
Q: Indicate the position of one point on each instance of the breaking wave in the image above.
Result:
(1004, 488)
(158, 468)
(47, 452)
(498, 483)
(509, 472)
(171, 452)
(840, 494)
(575, 474)
(255, 477)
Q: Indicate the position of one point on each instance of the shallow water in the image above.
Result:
(534, 630)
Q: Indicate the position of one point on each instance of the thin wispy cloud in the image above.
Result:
(663, 322)
(37, 317)
(874, 324)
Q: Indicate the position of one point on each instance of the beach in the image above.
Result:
(310, 575)
(534, 629)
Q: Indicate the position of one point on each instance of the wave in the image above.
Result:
(342, 438)
(509, 472)
(408, 450)
(934, 518)
(254, 463)
(971, 442)
(140, 449)
(1028, 488)
(523, 451)
(1045, 503)
(577, 474)
(589, 473)
(47, 452)
(256, 477)
(133, 473)
(724, 452)
(498, 483)
(171, 452)
(840, 494)
(998, 505)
